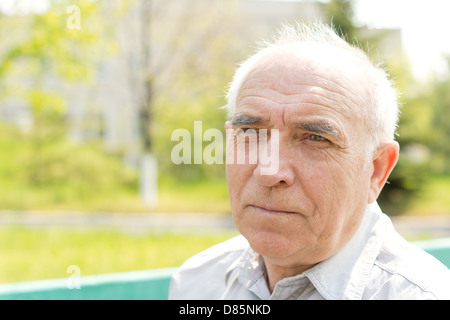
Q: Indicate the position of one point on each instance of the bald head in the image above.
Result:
(304, 63)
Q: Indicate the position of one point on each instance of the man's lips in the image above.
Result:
(271, 209)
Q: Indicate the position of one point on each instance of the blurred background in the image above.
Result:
(91, 91)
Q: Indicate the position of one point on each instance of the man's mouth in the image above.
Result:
(271, 209)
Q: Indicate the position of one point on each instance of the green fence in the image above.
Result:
(439, 248)
(136, 285)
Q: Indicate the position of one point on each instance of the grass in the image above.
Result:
(34, 254)
(202, 196)
(434, 199)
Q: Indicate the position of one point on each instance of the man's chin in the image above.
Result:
(271, 244)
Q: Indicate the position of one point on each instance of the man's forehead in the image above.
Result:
(303, 62)
(310, 52)
(289, 78)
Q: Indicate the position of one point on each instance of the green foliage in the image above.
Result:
(54, 48)
(46, 106)
(433, 199)
(42, 172)
(424, 122)
(172, 115)
(47, 172)
(47, 169)
(340, 13)
(440, 123)
(410, 173)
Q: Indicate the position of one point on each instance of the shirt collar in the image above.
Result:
(249, 269)
(342, 276)
(345, 275)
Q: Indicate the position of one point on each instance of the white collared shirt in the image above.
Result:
(377, 263)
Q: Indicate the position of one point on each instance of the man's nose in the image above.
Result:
(284, 175)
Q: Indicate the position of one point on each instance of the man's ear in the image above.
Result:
(384, 161)
(227, 125)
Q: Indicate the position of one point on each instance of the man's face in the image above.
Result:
(314, 204)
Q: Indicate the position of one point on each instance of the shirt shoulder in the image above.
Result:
(208, 268)
(404, 271)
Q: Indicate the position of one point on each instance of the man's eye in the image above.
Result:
(247, 132)
(250, 130)
(314, 137)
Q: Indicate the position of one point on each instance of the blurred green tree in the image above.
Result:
(48, 55)
(414, 167)
(440, 125)
(341, 14)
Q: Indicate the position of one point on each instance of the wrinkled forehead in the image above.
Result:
(319, 66)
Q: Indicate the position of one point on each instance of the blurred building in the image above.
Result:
(267, 15)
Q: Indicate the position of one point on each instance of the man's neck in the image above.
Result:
(275, 273)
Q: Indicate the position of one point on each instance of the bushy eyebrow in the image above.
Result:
(317, 127)
(322, 127)
(242, 119)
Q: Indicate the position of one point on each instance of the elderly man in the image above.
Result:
(312, 229)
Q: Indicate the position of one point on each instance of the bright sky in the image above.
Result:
(425, 28)
(23, 5)
(424, 23)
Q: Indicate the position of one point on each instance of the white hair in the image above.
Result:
(381, 115)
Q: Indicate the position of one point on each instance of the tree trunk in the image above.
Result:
(149, 180)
